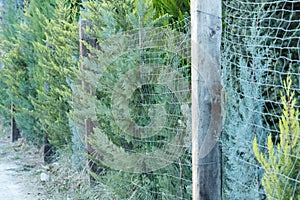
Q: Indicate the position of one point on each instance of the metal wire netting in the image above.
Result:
(260, 58)
(138, 101)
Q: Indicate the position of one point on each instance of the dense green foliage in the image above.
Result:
(41, 51)
(40, 76)
(57, 62)
(19, 64)
(177, 9)
(10, 17)
(116, 55)
(283, 42)
(40, 55)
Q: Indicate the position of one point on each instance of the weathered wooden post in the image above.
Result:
(49, 151)
(84, 52)
(206, 98)
(15, 133)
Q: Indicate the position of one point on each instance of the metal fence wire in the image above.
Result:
(134, 89)
(139, 107)
(261, 77)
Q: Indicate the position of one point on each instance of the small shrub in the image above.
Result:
(282, 163)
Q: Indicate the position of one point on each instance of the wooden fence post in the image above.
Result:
(49, 151)
(15, 133)
(85, 86)
(206, 98)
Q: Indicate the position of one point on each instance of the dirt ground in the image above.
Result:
(20, 166)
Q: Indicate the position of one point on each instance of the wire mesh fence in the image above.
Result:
(140, 105)
(132, 104)
(261, 75)
(136, 95)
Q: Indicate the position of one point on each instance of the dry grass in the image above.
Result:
(66, 182)
(69, 183)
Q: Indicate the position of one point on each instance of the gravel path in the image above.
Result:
(10, 185)
(17, 168)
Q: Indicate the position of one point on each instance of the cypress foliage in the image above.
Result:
(275, 43)
(37, 14)
(243, 77)
(41, 52)
(281, 24)
(104, 67)
(282, 163)
(239, 175)
(18, 62)
(10, 18)
(177, 9)
(57, 59)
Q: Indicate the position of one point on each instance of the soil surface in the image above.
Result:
(20, 164)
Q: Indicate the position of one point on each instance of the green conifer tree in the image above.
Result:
(32, 32)
(103, 68)
(282, 164)
(178, 9)
(57, 59)
(10, 18)
(18, 57)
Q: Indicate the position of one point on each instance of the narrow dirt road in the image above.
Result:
(18, 165)
(10, 187)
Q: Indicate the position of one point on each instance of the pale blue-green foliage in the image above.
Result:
(259, 49)
(241, 177)
(244, 103)
(78, 146)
